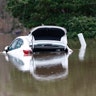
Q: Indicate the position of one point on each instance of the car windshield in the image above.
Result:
(48, 34)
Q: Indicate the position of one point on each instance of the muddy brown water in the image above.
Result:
(80, 80)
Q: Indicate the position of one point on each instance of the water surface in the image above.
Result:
(79, 81)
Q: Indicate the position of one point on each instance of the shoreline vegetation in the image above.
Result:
(76, 16)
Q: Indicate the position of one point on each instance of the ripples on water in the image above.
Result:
(80, 78)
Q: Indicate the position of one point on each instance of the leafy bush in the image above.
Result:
(75, 15)
(82, 24)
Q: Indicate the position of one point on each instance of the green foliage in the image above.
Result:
(76, 15)
(82, 24)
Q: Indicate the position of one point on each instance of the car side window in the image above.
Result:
(19, 43)
(16, 44)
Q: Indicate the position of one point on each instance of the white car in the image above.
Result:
(49, 38)
(41, 38)
(19, 46)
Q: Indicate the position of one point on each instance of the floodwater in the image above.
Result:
(49, 74)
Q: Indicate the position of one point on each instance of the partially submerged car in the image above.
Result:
(41, 38)
(49, 38)
(19, 46)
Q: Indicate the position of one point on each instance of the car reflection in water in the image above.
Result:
(43, 66)
(21, 62)
(49, 66)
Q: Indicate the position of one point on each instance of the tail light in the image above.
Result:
(27, 52)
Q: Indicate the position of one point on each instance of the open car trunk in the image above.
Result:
(47, 33)
(49, 38)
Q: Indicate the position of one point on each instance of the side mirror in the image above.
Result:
(6, 48)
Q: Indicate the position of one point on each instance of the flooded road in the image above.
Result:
(49, 74)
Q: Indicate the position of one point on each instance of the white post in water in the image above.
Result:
(82, 40)
(83, 46)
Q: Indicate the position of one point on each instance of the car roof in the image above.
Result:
(22, 37)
